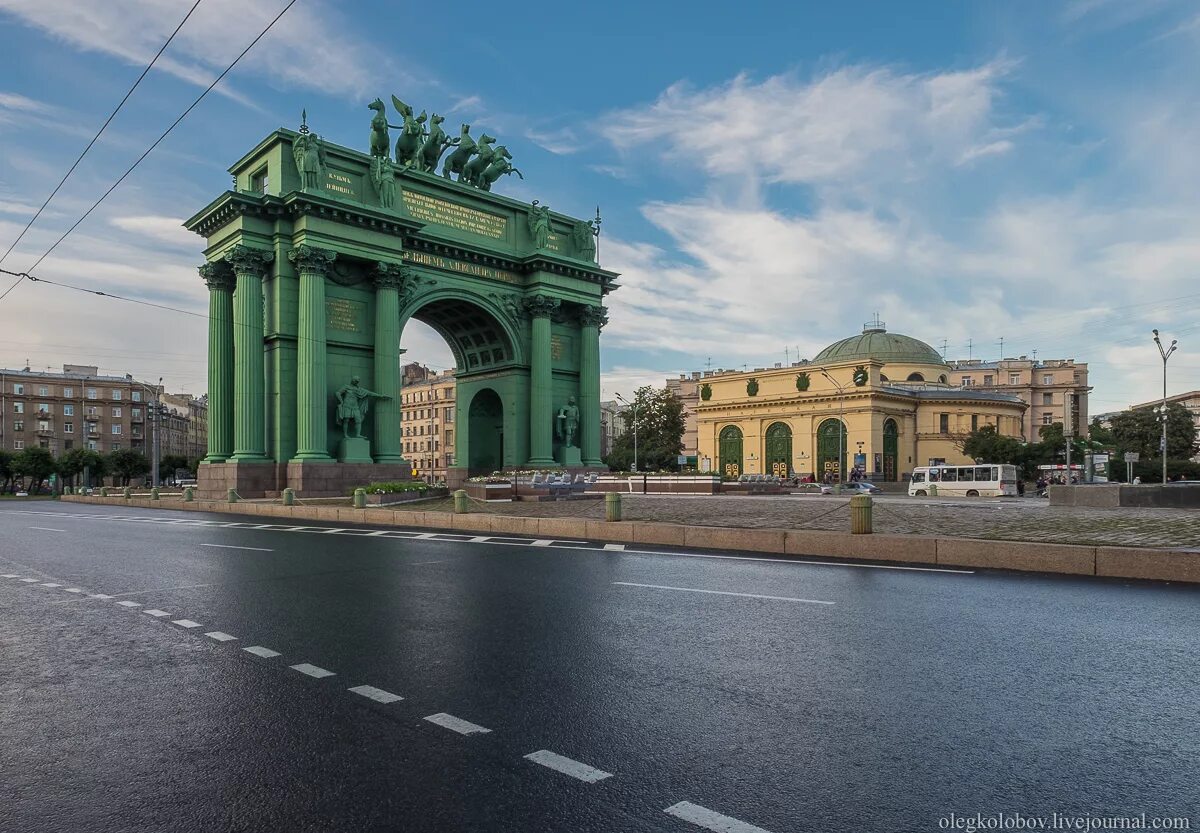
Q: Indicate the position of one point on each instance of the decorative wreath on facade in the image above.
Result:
(706, 391)
(861, 376)
(802, 382)
(752, 387)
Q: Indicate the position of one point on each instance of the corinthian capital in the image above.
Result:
(217, 275)
(248, 261)
(311, 259)
(389, 275)
(541, 306)
(593, 316)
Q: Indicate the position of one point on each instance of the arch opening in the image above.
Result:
(779, 449)
(485, 433)
(831, 444)
(475, 337)
(730, 450)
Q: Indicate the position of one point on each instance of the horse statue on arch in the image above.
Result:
(381, 141)
(457, 160)
(484, 156)
(411, 135)
(435, 145)
(501, 165)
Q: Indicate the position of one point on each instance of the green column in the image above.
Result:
(249, 382)
(591, 319)
(541, 404)
(312, 399)
(219, 278)
(389, 279)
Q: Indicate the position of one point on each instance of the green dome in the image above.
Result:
(877, 343)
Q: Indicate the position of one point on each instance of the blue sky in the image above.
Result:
(770, 176)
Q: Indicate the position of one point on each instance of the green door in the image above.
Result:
(485, 433)
(830, 445)
(731, 451)
(891, 444)
(779, 449)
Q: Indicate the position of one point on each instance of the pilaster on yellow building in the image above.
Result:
(880, 402)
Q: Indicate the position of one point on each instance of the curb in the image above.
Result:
(1062, 559)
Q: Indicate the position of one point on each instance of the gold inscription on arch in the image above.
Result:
(432, 210)
(451, 265)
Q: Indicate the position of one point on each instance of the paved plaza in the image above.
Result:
(1018, 519)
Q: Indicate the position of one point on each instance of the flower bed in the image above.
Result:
(494, 491)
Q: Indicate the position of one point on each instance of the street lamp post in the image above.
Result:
(156, 427)
(841, 430)
(1162, 410)
(632, 405)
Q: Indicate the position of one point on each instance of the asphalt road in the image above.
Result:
(654, 692)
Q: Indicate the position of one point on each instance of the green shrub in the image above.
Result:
(398, 486)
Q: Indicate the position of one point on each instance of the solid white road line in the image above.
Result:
(567, 766)
(47, 529)
(376, 694)
(710, 819)
(158, 614)
(232, 547)
(311, 670)
(183, 623)
(615, 547)
(50, 584)
(260, 651)
(220, 636)
(10, 575)
(541, 542)
(722, 593)
(456, 724)
(129, 604)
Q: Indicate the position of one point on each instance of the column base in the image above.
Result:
(543, 463)
(595, 464)
(249, 480)
(214, 458)
(309, 479)
(391, 460)
(311, 457)
(249, 457)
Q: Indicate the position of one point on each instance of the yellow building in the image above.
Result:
(881, 402)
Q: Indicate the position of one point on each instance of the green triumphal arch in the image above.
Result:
(319, 255)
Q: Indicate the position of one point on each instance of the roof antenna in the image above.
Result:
(1001, 347)
(945, 344)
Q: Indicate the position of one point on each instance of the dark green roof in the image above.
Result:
(877, 343)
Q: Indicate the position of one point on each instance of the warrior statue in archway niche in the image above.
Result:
(353, 400)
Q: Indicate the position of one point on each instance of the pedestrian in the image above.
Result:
(1137, 481)
(1020, 487)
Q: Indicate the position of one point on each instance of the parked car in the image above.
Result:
(858, 487)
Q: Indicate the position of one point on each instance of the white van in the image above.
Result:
(985, 480)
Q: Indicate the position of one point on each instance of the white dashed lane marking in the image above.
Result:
(232, 547)
(615, 547)
(183, 623)
(156, 613)
(311, 670)
(100, 596)
(50, 584)
(220, 636)
(10, 575)
(260, 651)
(47, 529)
(710, 819)
(721, 593)
(129, 604)
(74, 590)
(568, 766)
(456, 724)
(376, 694)
(29, 580)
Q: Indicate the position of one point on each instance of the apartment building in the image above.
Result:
(1189, 400)
(612, 425)
(77, 408)
(1042, 384)
(184, 425)
(427, 415)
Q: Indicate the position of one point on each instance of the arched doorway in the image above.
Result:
(779, 449)
(830, 445)
(891, 442)
(485, 433)
(731, 451)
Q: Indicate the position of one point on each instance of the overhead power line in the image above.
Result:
(164, 135)
(104, 126)
(25, 276)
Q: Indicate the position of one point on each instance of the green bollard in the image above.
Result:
(360, 498)
(231, 496)
(460, 501)
(189, 494)
(860, 515)
(127, 493)
(933, 490)
(612, 506)
(154, 493)
(289, 496)
(103, 491)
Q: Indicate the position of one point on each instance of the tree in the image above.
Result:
(126, 464)
(37, 464)
(660, 427)
(170, 463)
(1139, 430)
(990, 446)
(72, 464)
(6, 470)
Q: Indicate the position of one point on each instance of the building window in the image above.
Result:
(1047, 419)
(91, 393)
(18, 425)
(136, 395)
(19, 390)
(114, 446)
(988, 380)
(116, 412)
(43, 425)
(68, 445)
(1047, 399)
(43, 391)
(116, 395)
(68, 410)
(91, 444)
(18, 444)
(43, 408)
(944, 423)
(116, 429)
(1047, 378)
(260, 182)
(966, 381)
(18, 407)
(68, 428)
(1014, 378)
(448, 414)
(92, 410)
(974, 422)
(68, 393)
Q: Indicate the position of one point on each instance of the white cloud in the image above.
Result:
(167, 230)
(334, 60)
